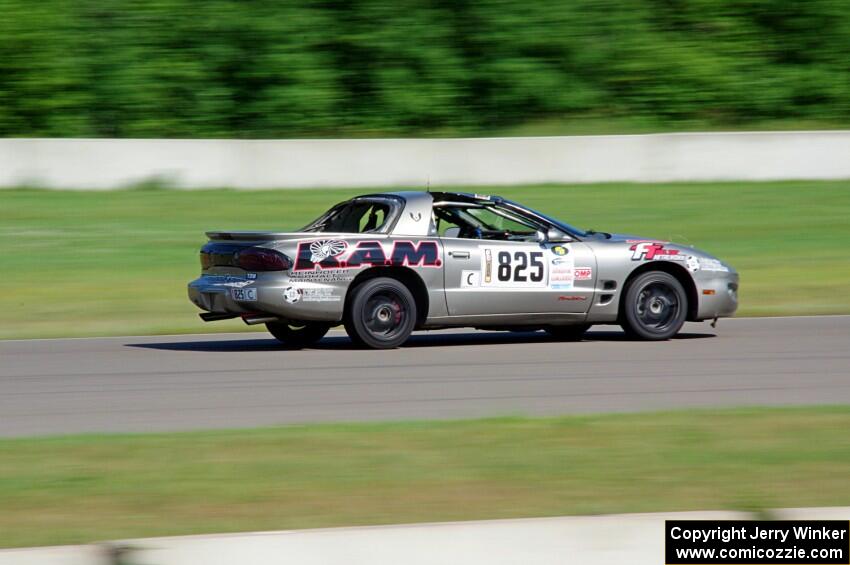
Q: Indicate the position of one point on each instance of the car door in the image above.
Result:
(484, 277)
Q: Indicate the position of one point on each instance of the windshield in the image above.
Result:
(361, 215)
(557, 223)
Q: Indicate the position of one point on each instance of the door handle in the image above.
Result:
(459, 254)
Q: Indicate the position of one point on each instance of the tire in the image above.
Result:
(381, 314)
(568, 333)
(655, 306)
(298, 334)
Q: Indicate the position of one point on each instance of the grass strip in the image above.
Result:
(113, 263)
(81, 488)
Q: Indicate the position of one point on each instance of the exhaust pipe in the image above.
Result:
(214, 317)
(254, 319)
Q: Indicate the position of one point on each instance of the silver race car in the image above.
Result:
(385, 265)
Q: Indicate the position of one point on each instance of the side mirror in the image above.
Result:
(557, 236)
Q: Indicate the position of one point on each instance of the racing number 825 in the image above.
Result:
(516, 268)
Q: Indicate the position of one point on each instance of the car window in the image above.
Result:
(355, 216)
(478, 222)
(373, 218)
(495, 221)
(445, 223)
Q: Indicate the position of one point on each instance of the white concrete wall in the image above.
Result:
(636, 539)
(114, 163)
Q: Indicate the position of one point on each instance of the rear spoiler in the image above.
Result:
(250, 235)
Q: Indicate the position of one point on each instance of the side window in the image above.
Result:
(476, 222)
(359, 215)
(447, 228)
(373, 218)
(450, 223)
(500, 223)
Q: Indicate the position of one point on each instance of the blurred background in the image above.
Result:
(302, 68)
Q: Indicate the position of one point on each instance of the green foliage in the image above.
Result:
(259, 68)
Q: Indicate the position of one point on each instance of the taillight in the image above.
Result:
(259, 259)
(206, 260)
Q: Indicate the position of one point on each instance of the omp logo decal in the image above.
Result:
(320, 250)
(402, 253)
(583, 273)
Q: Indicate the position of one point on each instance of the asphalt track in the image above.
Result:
(234, 380)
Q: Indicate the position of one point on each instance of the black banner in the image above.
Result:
(766, 542)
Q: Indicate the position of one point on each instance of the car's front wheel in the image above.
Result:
(655, 306)
(298, 334)
(381, 313)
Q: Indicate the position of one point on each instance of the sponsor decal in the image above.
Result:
(712, 265)
(337, 254)
(692, 264)
(571, 298)
(366, 253)
(425, 254)
(323, 276)
(292, 294)
(653, 250)
(251, 276)
(229, 281)
(319, 295)
(560, 250)
(488, 266)
(470, 278)
(583, 273)
(562, 274)
(321, 250)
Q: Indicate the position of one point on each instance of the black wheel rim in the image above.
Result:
(385, 314)
(657, 306)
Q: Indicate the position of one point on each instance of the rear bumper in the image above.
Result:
(215, 293)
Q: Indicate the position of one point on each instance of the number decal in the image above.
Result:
(519, 268)
(504, 272)
(539, 274)
(522, 264)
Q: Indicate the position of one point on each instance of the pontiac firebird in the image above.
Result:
(387, 264)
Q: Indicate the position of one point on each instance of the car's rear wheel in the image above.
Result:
(655, 306)
(568, 333)
(298, 334)
(380, 314)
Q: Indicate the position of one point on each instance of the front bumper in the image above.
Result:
(717, 294)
